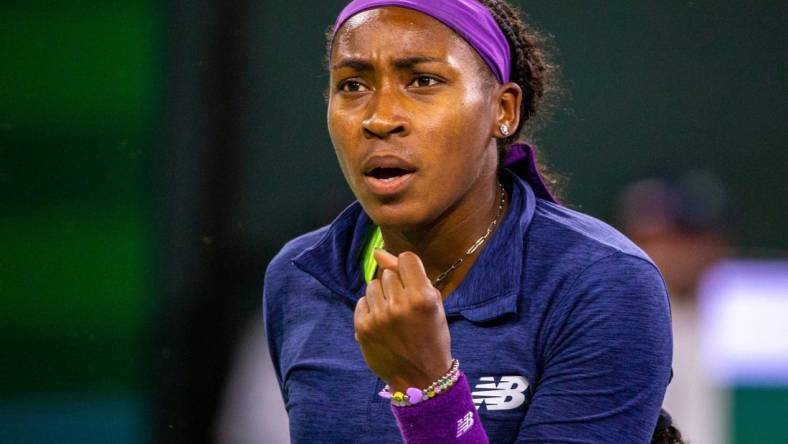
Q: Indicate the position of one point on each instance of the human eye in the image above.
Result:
(425, 81)
(352, 86)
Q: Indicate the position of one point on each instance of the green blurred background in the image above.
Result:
(154, 156)
(80, 91)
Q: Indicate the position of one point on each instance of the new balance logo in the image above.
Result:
(464, 424)
(505, 395)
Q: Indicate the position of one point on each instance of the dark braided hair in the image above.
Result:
(665, 432)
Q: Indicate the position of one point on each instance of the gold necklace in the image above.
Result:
(479, 242)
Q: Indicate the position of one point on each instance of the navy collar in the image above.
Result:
(491, 287)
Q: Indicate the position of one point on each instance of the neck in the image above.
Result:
(441, 243)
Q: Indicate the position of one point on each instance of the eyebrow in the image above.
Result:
(409, 62)
(403, 63)
(357, 64)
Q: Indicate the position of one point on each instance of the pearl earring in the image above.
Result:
(504, 129)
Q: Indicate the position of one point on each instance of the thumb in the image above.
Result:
(386, 260)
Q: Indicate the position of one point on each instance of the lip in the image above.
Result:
(386, 161)
(388, 186)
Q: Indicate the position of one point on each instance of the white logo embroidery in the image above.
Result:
(506, 395)
(464, 424)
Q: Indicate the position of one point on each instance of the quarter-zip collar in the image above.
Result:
(489, 290)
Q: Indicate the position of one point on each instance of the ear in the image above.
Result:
(509, 97)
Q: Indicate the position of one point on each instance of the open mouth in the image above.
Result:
(388, 174)
(389, 181)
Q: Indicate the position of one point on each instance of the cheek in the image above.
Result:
(476, 117)
(340, 130)
(337, 131)
(334, 124)
(464, 130)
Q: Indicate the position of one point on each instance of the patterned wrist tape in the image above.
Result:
(414, 396)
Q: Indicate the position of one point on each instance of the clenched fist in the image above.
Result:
(401, 326)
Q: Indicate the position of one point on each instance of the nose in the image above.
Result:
(385, 117)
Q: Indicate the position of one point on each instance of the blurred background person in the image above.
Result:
(684, 226)
(252, 409)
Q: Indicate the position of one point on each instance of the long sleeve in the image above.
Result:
(607, 357)
(272, 318)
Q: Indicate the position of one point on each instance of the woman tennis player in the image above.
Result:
(457, 300)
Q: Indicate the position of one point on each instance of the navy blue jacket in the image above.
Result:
(562, 327)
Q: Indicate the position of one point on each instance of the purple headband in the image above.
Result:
(472, 21)
(468, 18)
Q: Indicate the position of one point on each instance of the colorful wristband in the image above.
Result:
(450, 418)
(414, 395)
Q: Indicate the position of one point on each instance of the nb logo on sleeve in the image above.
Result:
(507, 394)
(464, 424)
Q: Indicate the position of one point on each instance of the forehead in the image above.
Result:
(399, 31)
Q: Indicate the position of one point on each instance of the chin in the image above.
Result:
(399, 216)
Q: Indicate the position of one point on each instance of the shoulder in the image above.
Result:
(282, 275)
(562, 243)
(593, 265)
(283, 278)
(282, 263)
(578, 230)
(605, 289)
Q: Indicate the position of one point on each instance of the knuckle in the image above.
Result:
(423, 304)
(382, 318)
(407, 255)
(398, 312)
(429, 292)
(379, 289)
(361, 329)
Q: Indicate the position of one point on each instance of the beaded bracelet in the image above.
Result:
(414, 396)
